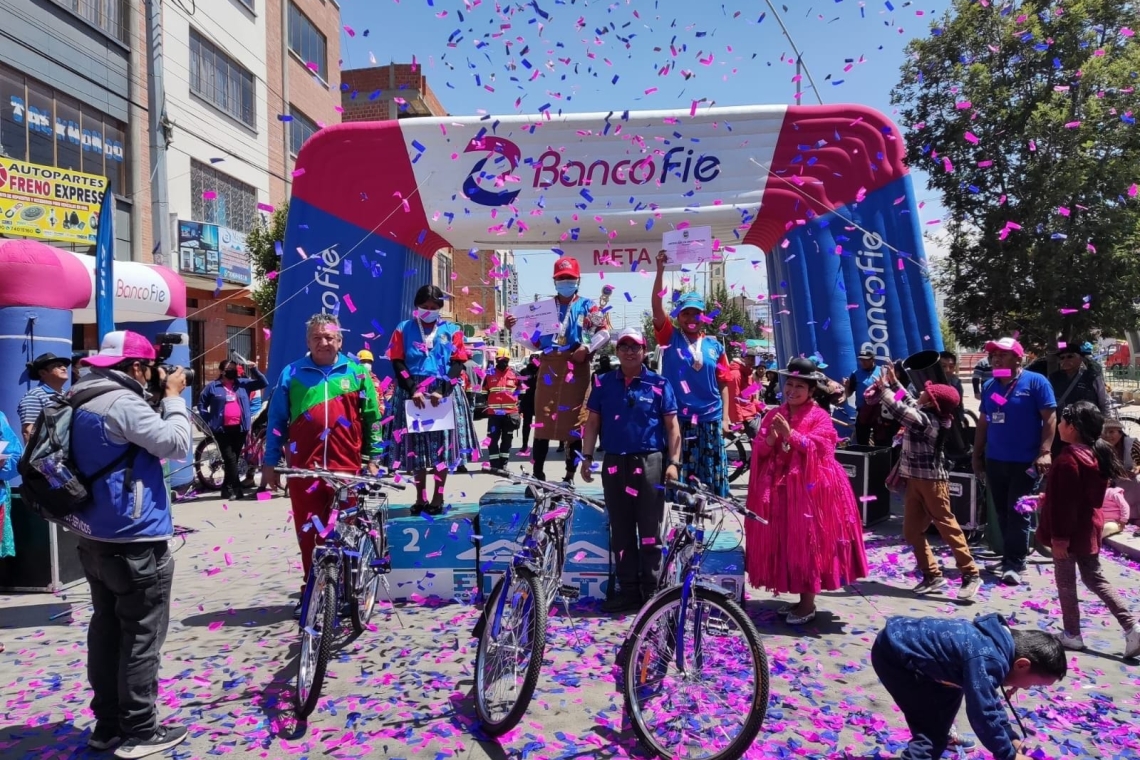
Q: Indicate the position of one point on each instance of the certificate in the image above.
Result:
(540, 316)
(431, 418)
(692, 245)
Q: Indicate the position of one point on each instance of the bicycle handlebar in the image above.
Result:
(341, 479)
(705, 496)
(542, 485)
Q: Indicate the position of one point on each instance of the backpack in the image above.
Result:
(52, 484)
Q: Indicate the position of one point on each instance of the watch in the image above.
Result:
(673, 464)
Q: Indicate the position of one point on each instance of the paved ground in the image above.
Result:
(403, 691)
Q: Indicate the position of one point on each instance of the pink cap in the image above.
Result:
(120, 345)
(1005, 344)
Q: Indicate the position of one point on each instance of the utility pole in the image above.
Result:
(156, 99)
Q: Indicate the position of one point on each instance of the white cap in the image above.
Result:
(632, 333)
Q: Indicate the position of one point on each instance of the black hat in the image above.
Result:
(804, 369)
(43, 360)
(867, 353)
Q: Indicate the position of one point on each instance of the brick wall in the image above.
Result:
(307, 93)
(215, 318)
(472, 274)
(397, 80)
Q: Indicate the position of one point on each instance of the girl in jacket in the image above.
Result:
(1070, 520)
(225, 405)
(428, 357)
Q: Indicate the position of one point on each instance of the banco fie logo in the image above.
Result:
(492, 146)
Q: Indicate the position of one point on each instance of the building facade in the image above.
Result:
(246, 84)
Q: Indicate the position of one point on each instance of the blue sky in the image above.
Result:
(853, 50)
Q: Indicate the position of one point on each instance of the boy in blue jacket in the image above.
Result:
(929, 665)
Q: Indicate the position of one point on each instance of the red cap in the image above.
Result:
(567, 265)
(945, 399)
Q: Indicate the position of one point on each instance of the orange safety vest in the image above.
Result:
(502, 392)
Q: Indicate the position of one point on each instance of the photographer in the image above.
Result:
(124, 532)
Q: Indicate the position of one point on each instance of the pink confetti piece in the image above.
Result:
(209, 195)
(998, 399)
(631, 490)
(215, 625)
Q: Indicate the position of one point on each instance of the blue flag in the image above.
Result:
(104, 256)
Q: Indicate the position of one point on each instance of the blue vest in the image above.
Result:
(435, 363)
(120, 511)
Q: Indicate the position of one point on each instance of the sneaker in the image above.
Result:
(1011, 578)
(971, 584)
(930, 585)
(103, 737)
(162, 739)
(956, 740)
(621, 603)
(1132, 643)
(1074, 642)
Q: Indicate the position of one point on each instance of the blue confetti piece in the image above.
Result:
(417, 146)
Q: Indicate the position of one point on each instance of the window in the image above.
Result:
(109, 15)
(219, 199)
(240, 340)
(218, 80)
(301, 128)
(307, 42)
(13, 116)
(443, 271)
(68, 138)
(41, 125)
(92, 139)
(248, 4)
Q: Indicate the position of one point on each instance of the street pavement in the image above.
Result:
(404, 689)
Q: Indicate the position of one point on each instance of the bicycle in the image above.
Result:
(346, 570)
(512, 627)
(208, 466)
(692, 647)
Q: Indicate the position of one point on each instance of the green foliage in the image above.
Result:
(726, 312)
(949, 339)
(1022, 115)
(261, 243)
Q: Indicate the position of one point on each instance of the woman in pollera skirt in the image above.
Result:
(814, 537)
(428, 357)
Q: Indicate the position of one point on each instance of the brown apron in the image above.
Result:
(559, 404)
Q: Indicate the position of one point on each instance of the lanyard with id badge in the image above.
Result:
(998, 417)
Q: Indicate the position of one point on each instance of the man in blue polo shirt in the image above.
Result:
(636, 412)
(1011, 446)
(53, 372)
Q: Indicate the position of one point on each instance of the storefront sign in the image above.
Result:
(48, 203)
(212, 251)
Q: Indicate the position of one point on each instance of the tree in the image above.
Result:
(262, 243)
(1022, 112)
(949, 341)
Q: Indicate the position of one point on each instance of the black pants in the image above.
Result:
(130, 593)
(501, 430)
(863, 433)
(750, 429)
(929, 707)
(637, 522)
(542, 449)
(1008, 482)
(231, 440)
(527, 419)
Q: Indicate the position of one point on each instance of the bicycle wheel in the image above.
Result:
(208, 465)
(367, 583)
(317, 631)
(1131, 427)
(508, 660)
(713, 707)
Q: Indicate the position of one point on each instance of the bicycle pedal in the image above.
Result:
(717, 626)
(570, 593)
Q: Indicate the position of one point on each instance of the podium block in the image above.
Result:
(46, 558)
(434, 556)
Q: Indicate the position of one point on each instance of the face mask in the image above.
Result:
(503, 364)
(367, 366)
(231, 374)
(427, 315)
(566, 288)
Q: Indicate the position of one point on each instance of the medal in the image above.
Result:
(695, 351)
(560, 340)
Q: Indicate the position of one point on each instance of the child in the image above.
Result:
(926, 424)
(1070, 519)
(929, 665)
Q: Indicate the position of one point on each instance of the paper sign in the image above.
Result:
(540, 315)
(430, 418)
(692, 245)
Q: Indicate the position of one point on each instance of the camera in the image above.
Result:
(164, 346)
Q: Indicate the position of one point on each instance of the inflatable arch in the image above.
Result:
(823, 190)
(44, 291)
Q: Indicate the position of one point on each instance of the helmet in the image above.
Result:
(503, 353)
(364, 355)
